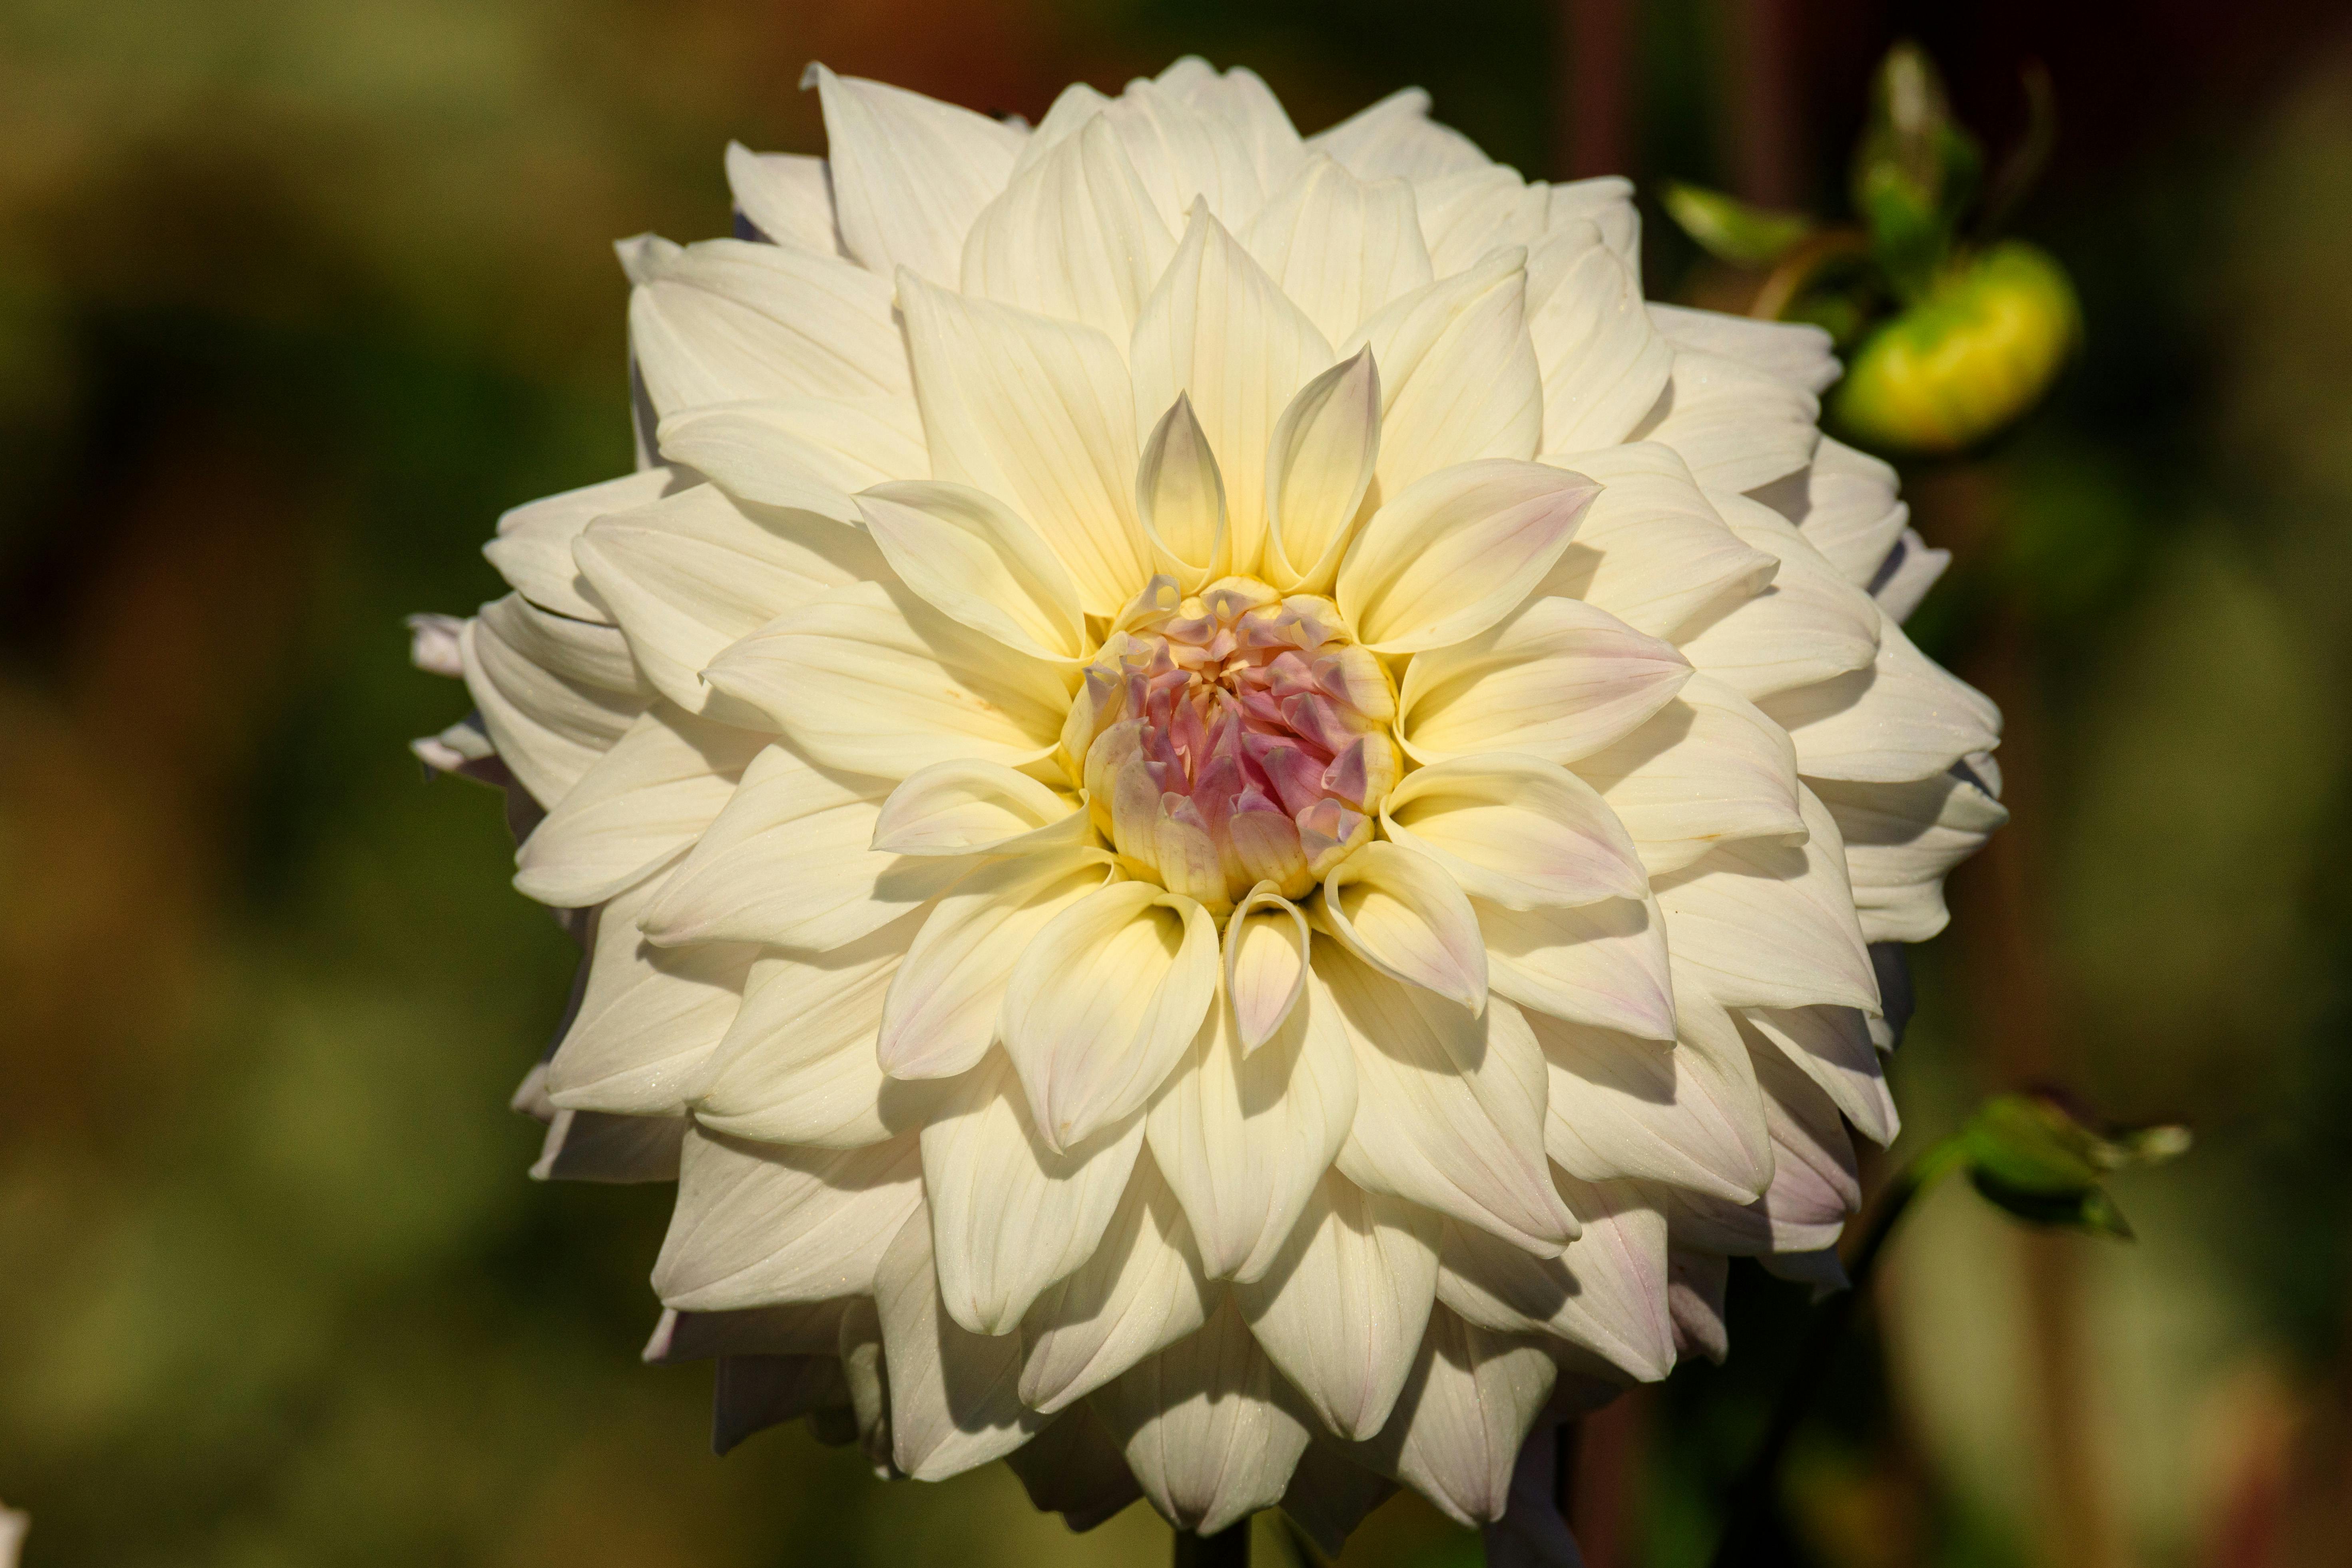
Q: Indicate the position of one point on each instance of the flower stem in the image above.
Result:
(1229, 1548)
(1749, 1534)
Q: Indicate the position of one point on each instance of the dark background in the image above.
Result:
(297, 295)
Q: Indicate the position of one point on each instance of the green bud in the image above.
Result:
(2030, 1155)
(1966, 361)
(1730, 229)
(1914, 169)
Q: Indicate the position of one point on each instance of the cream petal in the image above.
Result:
(1651, 550)
(1798, 352)
(727, 320)
(1400, 912)
(751, 1394)
(1606, 1294)
(976, 809)
(1180, 496)
(788, 863)
(1908, 574)
(1465, 1409)
(1240, 98)
(1737, 427)
(1339, 245)
(1010, 1214)
(757, 1223)
(1330, 1494)
(590, 1146)
(1185, 156)
(787, 196)
(1686, 1112)
(1204, 1428)
(1449, 1108)
(690, 574)
(802, 1328)
(1604, 363)
(1694, 1293)
(1601, 963)
(1073, 1468)
(1831, 1047)
(798, 1064)
(1709, 769)
(1458, 374)
(1318, 466)
(941, 1016)
(870, 678)
(910, 173)
(1815, 1187)
(532, 550)
(953, 1404)
(973, 560)
(591, 653)
(1395, 138)
(1342, 1309)
(1444, 558)
(1905, 717)
(1073, 109)
(1472, 215)
(1266, 949)
(641, 804)
(1901, 839)
(1075, 236)
(548, 729)
(1241, 1138)
(1515, 831)
(1846, 504)
(1039, 414)
(1217, 329)
(1102, 1004)
(648, 1018)
(1139, 1292)
(803, 454)
(1772, 925)
(1810, 625)
(1556, 679)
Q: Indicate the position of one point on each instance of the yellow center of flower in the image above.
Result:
(1232, 738)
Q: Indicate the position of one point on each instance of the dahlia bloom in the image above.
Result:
(1229, 812)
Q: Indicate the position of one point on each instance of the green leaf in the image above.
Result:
(1730, 229)
(2032, 1157)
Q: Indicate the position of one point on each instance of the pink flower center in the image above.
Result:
(1232, 738)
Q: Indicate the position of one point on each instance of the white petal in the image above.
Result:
(1342, 1309)
(591, 653)
(1265, 964)
(1038, 413)
(1651, 550)
(910, 173)
(1330, 1494)
(870, 678)
(798, 1065)
(1607, 1293)
(1185, 155)
(1908, 574)
(548, 729)
(1204, 1428)
(787, 862)
(1831, 1047)
(1695, 1285)
(1339, 247)
(1010, 1214)
(1710, 768)
(1601, 963)
(1603, 362)
(1243, 1138)
(689, 574)
(1400, 912)
(728, 319)
(1815, 1187)
(648, 1019)
(1795, 351)
(972, 559)
(1474, 213)
(1904, 718)
(1396, 138)
(757, 1223)
(1447, 557)
(1240, 98)
(1103, 1003)
(641, 804)
(1073, 1467)
(1449, 1108)
(1847, 507)
(1772, 925)
(533, 548)
(805, 454)
(1180, 496)
(1319, 467)
(1217, 329)
(1810, 625)
(975, 808)
(1465, 1410)
(1900, 840)
(1140, 1291)
(1458, 374)
(1075, 236)
(1557, 679)
(1515, 831)
(788, 197)
(953, 1404)
(941, 1015)
(1737, 427)
(1686, 1112)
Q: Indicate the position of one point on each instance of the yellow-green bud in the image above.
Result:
(1968, 360)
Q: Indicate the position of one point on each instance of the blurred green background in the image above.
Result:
(297, 295)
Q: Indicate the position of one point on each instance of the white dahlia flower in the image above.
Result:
(1228, 810)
